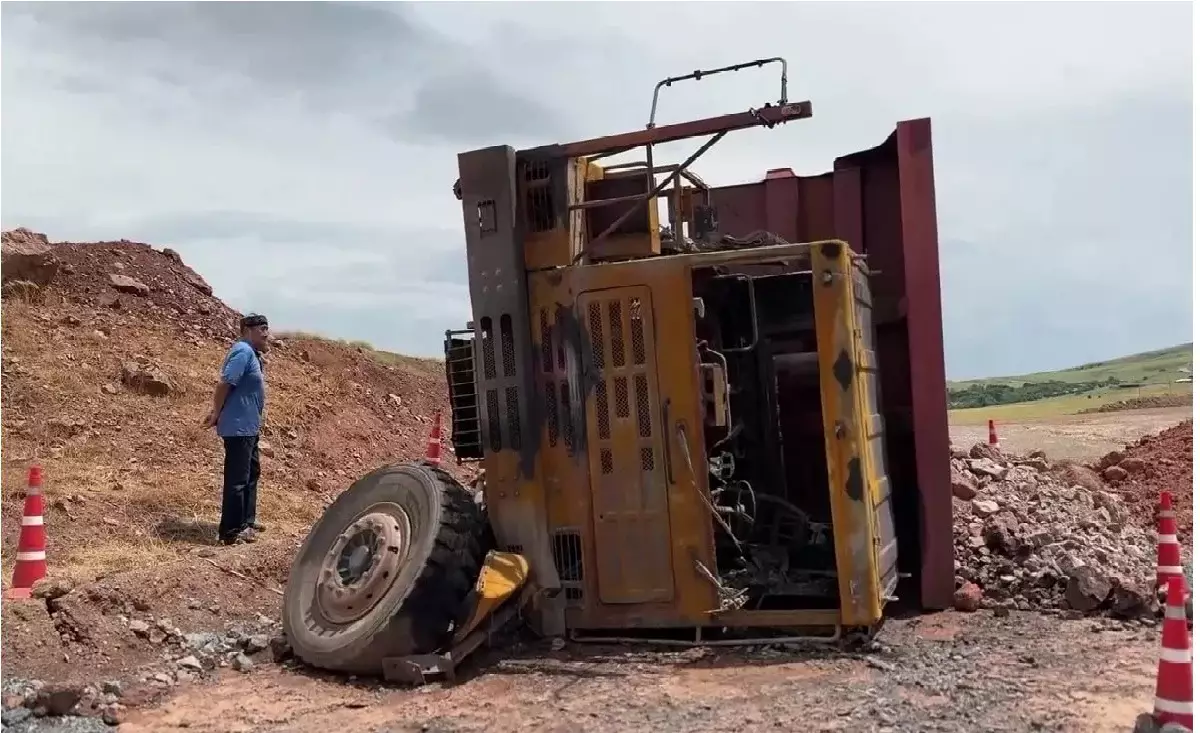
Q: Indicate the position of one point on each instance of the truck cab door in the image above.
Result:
(630, 518)
(860, 492)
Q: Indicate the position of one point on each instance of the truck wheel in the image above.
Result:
(384, 572)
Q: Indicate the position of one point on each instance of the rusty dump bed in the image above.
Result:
(881, 201)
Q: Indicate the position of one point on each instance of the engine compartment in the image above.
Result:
(764, 436)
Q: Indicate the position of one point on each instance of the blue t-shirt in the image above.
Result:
(242, 413)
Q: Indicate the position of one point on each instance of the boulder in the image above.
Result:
(126, 284)
(58, 700)
(27, 256)
(146, 379)
(1115, 474)
(1128, 600)
(197, 282)
(963, 485)
(984, 507)
(281, 648)
(983, 450)
(986, 467)
(968, 598)
(1000, 533)
(1132, 466)
(1039, 464)
(1087, 588)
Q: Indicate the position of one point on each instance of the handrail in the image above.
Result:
(699, 74)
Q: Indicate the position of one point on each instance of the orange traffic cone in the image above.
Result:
(993, 438)
(1169, 563)
(31, 547)
(433, 452)
(1173, 694)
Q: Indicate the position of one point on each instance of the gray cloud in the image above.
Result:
(295, 46)
(358, 57)
(320, 140)
(471, 107)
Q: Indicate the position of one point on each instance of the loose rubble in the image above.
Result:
(185, 658)
(1029, 538)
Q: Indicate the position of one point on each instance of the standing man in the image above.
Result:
(237, 416)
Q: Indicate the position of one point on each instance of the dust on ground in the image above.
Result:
(1077, 437)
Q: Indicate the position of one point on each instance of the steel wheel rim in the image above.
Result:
(362, 564)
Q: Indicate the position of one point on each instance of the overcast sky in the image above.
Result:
(301, 156)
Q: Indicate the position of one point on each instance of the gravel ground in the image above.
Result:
(939, 673)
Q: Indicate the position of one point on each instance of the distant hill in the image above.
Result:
(1162, 366)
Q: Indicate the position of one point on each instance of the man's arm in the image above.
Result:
(231, 373)
(219, 397)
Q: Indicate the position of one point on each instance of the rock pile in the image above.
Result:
(1032, 537)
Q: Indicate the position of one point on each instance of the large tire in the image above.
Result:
(418, 589)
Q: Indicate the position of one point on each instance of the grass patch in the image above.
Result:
(1059, 406)
(1162, 365)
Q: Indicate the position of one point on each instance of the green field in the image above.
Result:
(1162, 365)
(1139, 375)
(1056, 406)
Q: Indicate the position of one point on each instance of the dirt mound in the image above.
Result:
(135, 282)
(1154, 464)
(1030, 537)
(108, 370)
(1142, 403)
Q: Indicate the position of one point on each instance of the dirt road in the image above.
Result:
(947, 672)
(1074, 436)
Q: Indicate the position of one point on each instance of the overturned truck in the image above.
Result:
(704, 413)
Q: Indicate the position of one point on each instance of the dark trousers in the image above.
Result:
(239, 498)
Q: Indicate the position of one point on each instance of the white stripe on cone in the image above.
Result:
(1171, 569)
(1175, 613)
(37, 521)
(1168, 539)
(1174, 707)
(31, 556)
(1176, 656)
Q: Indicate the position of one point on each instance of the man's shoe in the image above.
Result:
(247, 535)
(236, 539)
(257, 527)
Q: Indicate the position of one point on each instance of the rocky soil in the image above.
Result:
(1032, 536)
(105, 383)
(1153, 464)
(110, 354)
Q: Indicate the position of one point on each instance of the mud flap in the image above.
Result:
(504, 574)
